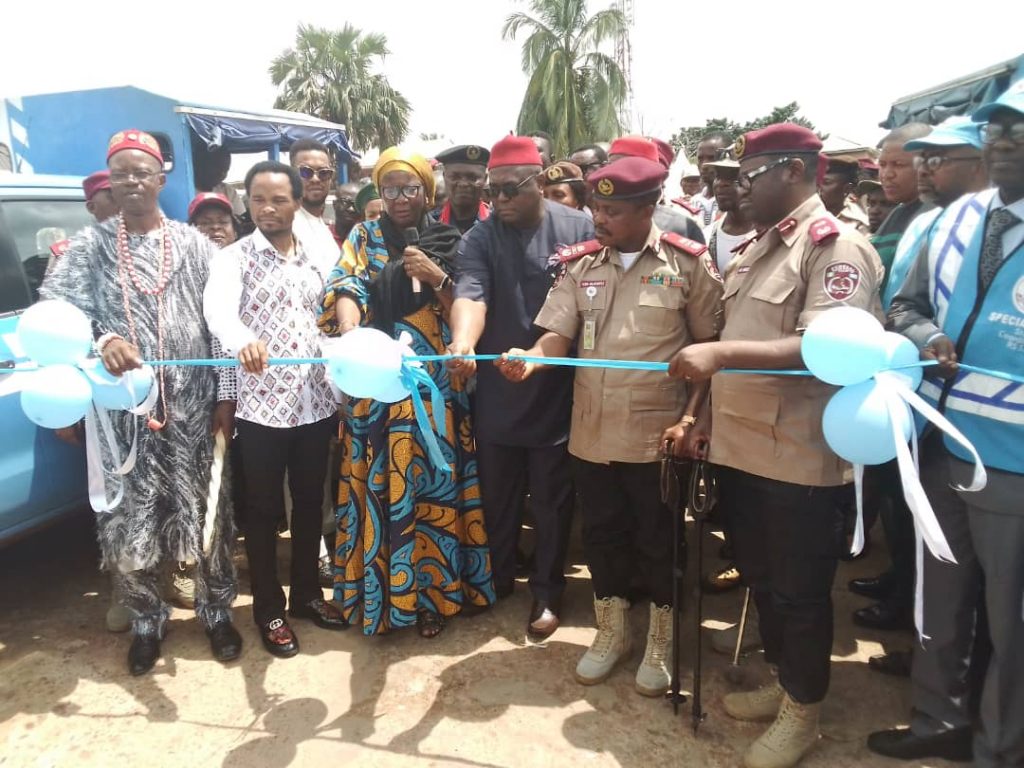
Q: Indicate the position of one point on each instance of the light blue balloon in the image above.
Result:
(56, 396)
(119, 393)
(858, 426)
(844, 346)
(899, 351)
(367, 363)
(54, 331)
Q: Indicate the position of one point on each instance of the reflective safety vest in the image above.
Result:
(988, 330)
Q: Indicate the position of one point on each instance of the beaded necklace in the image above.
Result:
(126, 273)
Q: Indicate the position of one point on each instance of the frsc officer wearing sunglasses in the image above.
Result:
(316, 169)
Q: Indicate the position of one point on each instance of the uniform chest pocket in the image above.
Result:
(777, 304)
(658, 310)
(590, 297)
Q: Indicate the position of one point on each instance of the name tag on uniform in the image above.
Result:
(592, 283)
(668, 281)
(589, 332)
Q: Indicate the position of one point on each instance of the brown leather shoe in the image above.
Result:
(543, 619)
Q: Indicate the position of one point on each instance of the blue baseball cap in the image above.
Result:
(1012, 98)
(952, 132)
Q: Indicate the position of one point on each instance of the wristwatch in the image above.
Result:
(445, 282)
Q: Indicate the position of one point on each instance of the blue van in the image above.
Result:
(41, 476)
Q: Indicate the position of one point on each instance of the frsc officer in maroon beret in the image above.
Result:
(634, 293)
(778, 479)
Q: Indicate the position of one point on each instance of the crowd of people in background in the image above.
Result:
(513, 252)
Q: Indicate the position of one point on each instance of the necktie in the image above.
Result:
(999, 221)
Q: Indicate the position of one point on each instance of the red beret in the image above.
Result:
(777, 139)
(514, 150)
(94, 182)
(635, 146)
(204, 199)
(665, 152)
(627, 177)
(134, 139)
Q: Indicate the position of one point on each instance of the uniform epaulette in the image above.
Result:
(685, 244)
(822, 229)
(58, 248)
(567, 253)
(693, 209)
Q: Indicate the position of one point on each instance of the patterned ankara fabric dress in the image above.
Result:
(409, 535)
(162, 513)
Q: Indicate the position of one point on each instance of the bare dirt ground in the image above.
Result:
(478, 695)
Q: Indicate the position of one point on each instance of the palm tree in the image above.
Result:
(576, 92)
(329, 74)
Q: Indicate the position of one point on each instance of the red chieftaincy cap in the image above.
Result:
(204, 199)
(626, 178)
(665, 152)
(514, 150)
(777, 139)
(94, 182)
(134, 139)
(635, 146)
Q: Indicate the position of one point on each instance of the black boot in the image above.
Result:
(142, 655)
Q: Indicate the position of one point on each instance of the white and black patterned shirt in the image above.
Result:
(255, 292)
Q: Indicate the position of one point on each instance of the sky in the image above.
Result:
(844, 63)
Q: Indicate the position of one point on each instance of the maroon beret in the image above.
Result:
(627, 177)
(94, 182)
(634, 146)
(777, 139)
(665, 152)
(205, 199)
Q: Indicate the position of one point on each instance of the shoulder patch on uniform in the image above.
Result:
(841, 280)
(822, 229)
(58, 248)
(686, 206)
(566, 253)
(712, 268)
(685, 244)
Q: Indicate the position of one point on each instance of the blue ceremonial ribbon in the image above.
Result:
(413, 378)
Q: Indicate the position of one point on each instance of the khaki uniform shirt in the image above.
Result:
(771, 425)
(855, 216)
(665, 300)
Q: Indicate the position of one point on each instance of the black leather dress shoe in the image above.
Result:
(279, 639)
(143, 653)
(873, 587)
(225, 642)
(543, 619)
(883, 616)
(895, 663)
(321, 613)
(902, 744)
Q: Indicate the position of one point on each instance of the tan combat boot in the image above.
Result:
(652, 677)
(788, 739)
(762, 704)
(610, 646)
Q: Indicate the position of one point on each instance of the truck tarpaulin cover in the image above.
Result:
(241, 135)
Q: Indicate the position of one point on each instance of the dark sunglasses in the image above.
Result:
(509, 190)
(307, 173)
(746, 180)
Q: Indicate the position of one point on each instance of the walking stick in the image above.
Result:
(670, 495)
(700, 500)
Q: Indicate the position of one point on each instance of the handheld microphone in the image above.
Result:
(412, 237)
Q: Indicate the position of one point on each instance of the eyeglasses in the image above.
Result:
(746, 180)
(120, 177)
(345, 203)
(409, 191)
(934, 162)
(993, 132)
(589, 168)
(509, 190)
(307, 173)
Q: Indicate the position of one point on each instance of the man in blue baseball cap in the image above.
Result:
(963, 299)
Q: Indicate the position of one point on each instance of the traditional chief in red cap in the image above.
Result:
(98, 198)
(778, 478)
(139, 278)
(507, 264)
(211, 213)
(635, 293)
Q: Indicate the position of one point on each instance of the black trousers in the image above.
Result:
(268, 452)
(883, 489)
(787, 540)
(627, 528)
(507, 474)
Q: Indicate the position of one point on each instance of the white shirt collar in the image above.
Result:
(1016, 208)
(261, 243)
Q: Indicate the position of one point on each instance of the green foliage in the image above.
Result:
(329, 74)
(687, 139)
(576, 91)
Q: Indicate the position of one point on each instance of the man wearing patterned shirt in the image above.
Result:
(261, 301)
